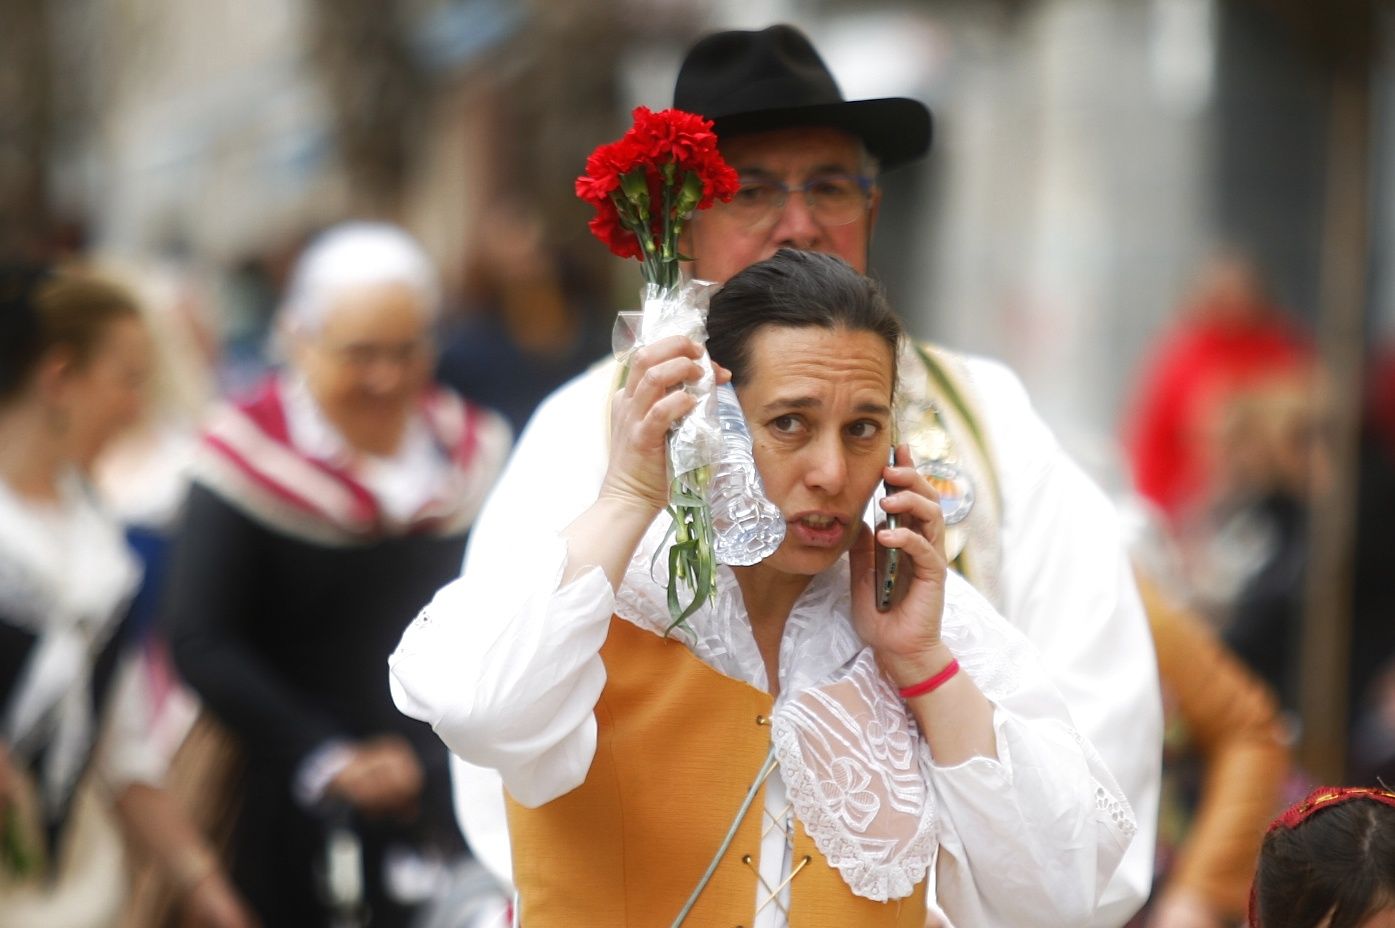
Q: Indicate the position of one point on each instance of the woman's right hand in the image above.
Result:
(636, 482)
(640, 416)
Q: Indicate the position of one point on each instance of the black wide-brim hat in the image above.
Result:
(774, 79)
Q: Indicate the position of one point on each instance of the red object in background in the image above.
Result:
(1196, 369)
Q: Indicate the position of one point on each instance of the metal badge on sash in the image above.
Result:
(953, 485)
(932, 451)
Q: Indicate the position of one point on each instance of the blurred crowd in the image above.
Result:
(210, 544)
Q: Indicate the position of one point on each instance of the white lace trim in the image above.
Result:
(1117, 810)
(1111, 804)
(857, 774)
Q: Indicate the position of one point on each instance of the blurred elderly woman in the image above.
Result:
(326, 509)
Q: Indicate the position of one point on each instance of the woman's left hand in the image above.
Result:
(905, 639)
(383, 778)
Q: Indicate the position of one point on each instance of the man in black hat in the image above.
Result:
(1027, 528)
(782, 123)
(784, 126)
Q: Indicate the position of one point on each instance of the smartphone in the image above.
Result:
(888, 560)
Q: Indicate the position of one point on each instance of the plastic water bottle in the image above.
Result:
(747, 526)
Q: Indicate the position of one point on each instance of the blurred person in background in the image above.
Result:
(1225, 619)
(1247, 551)
(1329, 862)
(75, 357)
(1229, 336)
(324, 509)
(525, 325)
(142, 477)
(1033, 534)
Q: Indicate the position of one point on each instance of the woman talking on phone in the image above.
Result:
(797, 756)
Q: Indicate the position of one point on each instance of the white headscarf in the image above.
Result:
(352, 255)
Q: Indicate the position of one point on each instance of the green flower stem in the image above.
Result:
(668, 256)
(692, 564)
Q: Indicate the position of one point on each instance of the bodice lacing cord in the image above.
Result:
(768, 767)
(780, 820)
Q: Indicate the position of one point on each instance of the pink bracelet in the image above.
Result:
(930, 684)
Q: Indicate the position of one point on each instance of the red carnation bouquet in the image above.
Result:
(645, 187)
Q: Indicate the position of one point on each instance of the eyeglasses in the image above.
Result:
(363, 355)
(832, 199)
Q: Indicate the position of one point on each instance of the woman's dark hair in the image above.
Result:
(1339, 860)
(795, 289)
(40, 311)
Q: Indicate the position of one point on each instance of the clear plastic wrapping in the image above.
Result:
(712, 442)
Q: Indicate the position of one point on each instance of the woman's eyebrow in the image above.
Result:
(794, 402)
(812, 402)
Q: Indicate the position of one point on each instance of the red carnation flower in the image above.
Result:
(643, 186)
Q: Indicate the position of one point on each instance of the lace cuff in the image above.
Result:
(857, 774)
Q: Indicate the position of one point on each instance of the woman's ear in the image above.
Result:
(54, 373)
(53, 388)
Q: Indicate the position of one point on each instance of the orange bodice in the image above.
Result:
(678, 746)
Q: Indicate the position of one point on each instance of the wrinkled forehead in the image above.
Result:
(856, 358)
(795, 152)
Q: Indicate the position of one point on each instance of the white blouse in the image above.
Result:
(66, 576)
(1028, 838)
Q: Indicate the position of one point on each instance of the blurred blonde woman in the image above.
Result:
(74, 360)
